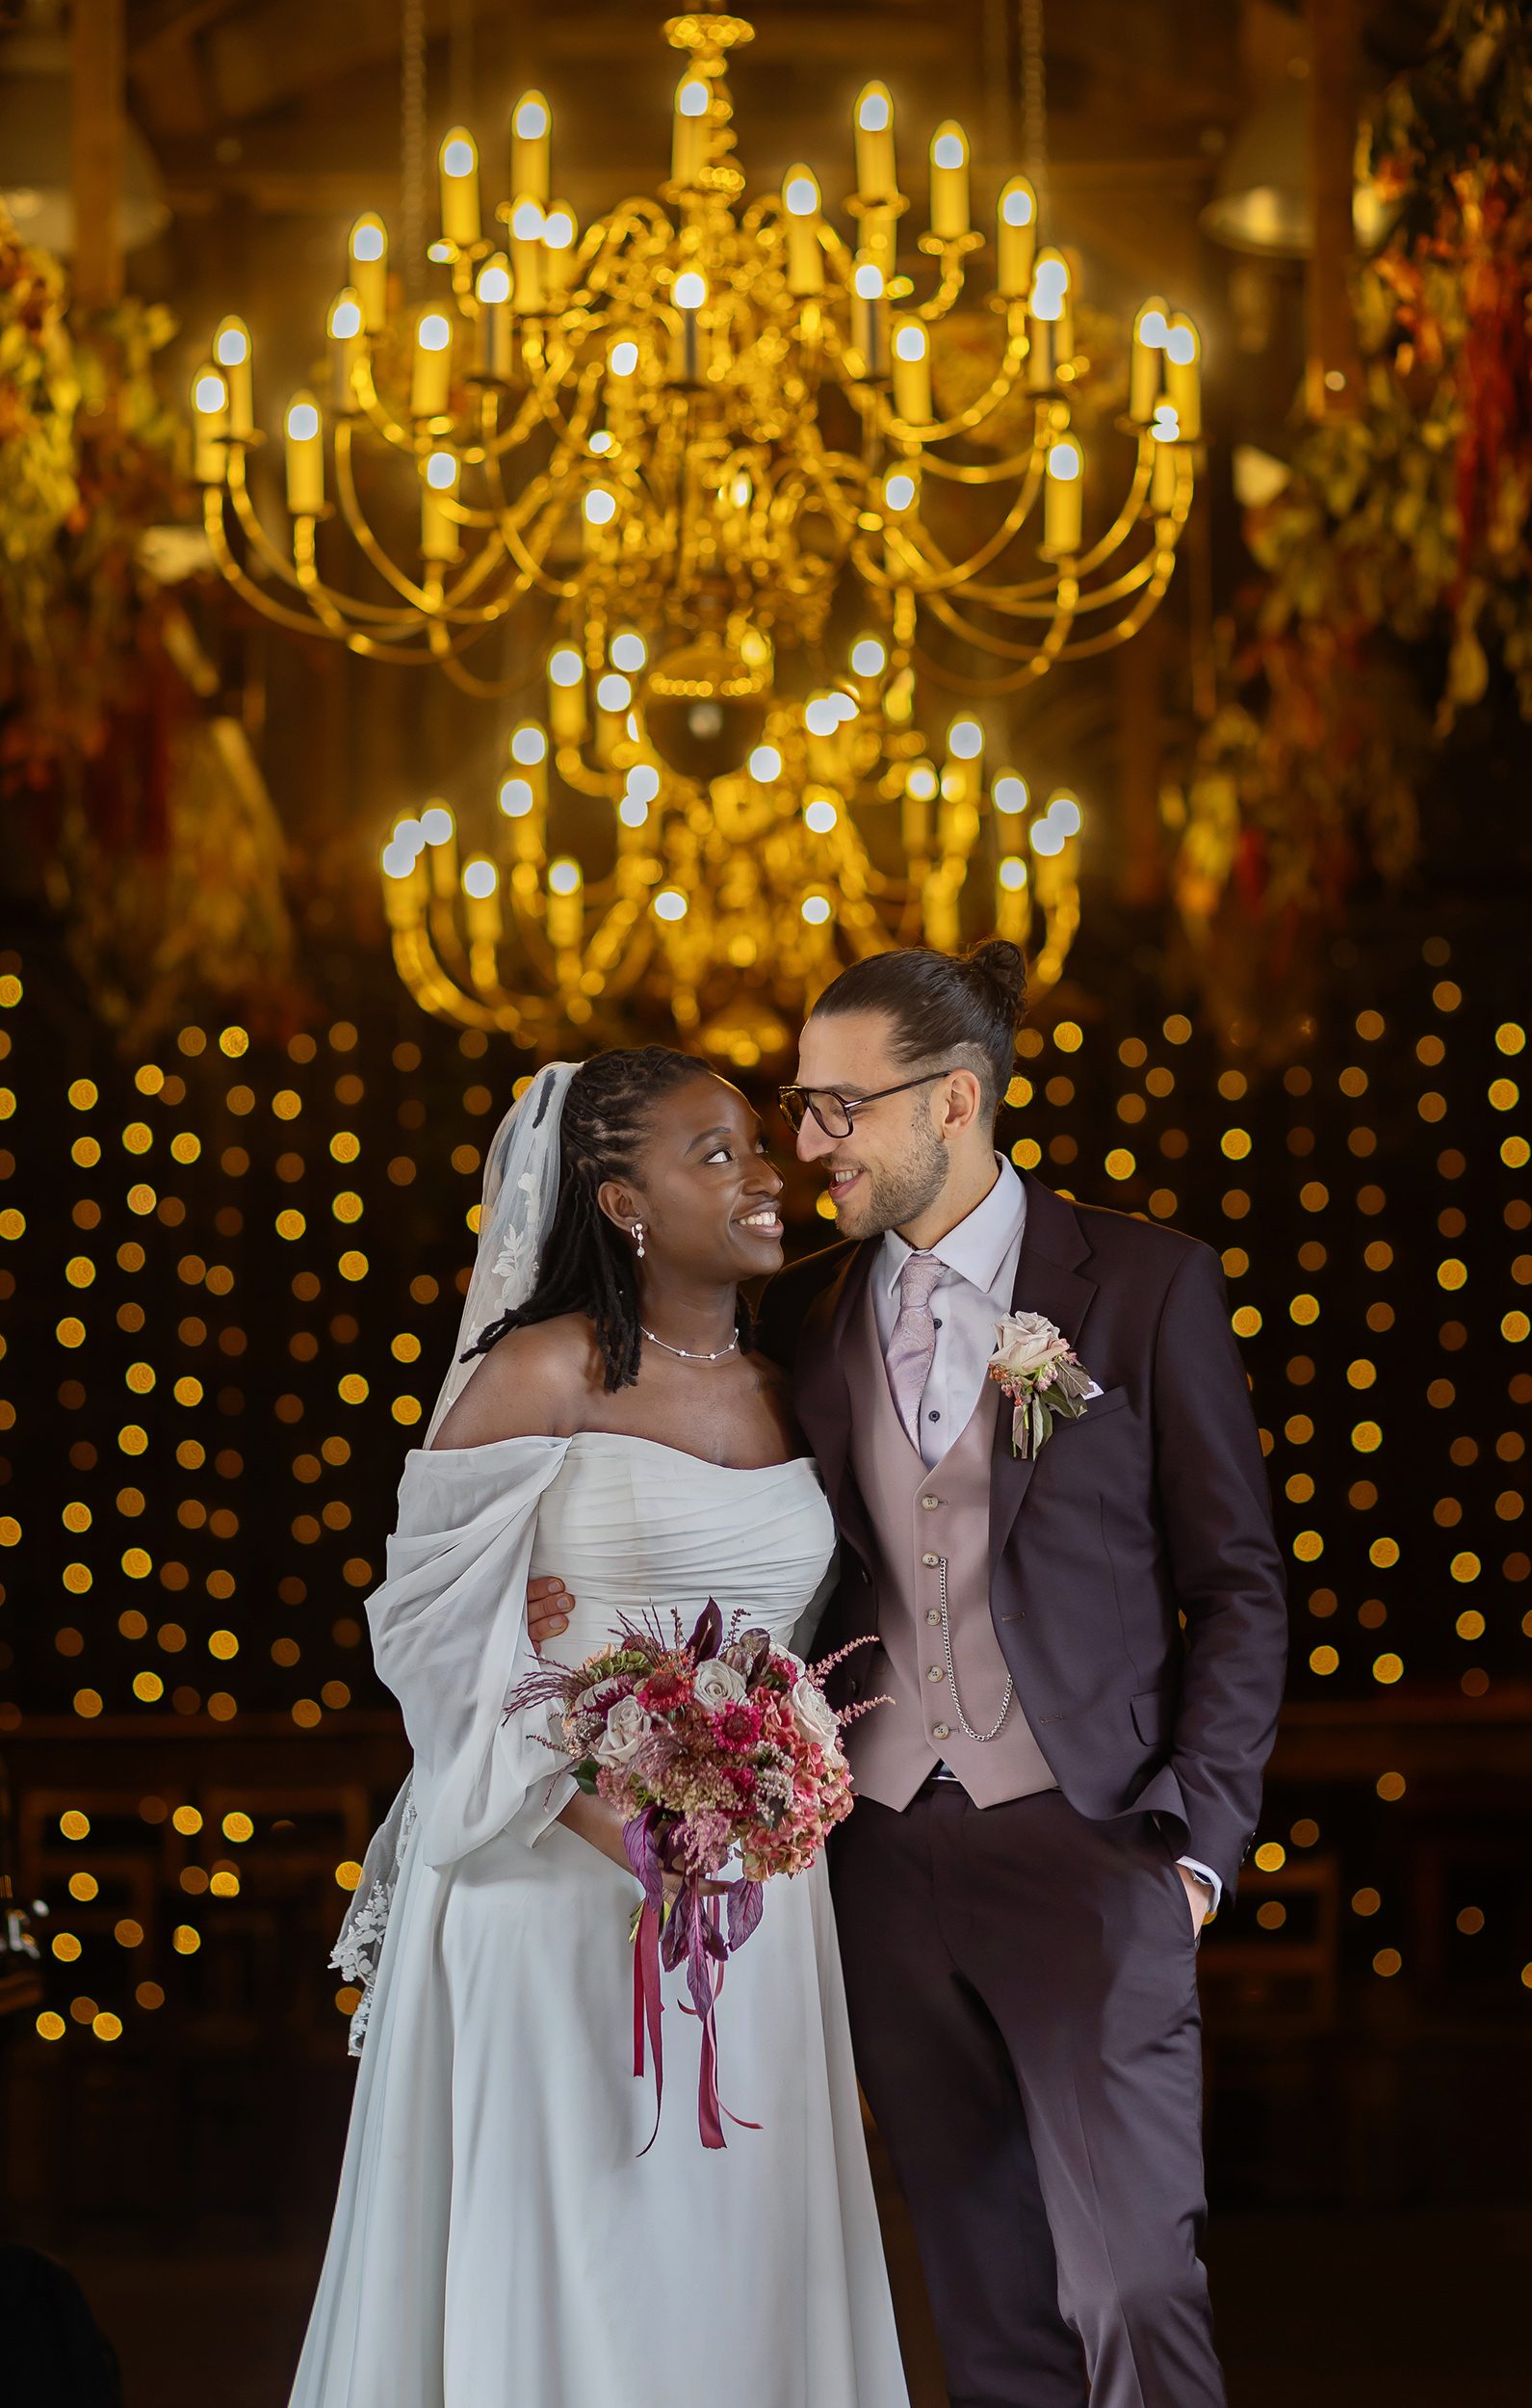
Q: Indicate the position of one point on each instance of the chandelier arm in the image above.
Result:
(394, 434)
(995, 689)
(935, 573)
(431, 601)
(821, 466)
(469, 682)
(914, 437)
(629, 218)
(495, 447)
(1097, 598)
(545, 380)
(362, 534)
(235, 575)
(1037, 659)
(397, 634)
(441, 996)
(952, 277)
(979, 472)
(573, 767)
(1126, 628)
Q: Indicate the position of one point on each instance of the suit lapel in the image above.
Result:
(823, 1393)
(1049, 1281)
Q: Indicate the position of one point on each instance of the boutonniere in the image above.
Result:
(1037, 1368)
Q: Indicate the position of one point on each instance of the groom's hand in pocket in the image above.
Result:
(549, 1606)
(1199, 1896)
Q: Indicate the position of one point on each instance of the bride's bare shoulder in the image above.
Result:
(531, 1383)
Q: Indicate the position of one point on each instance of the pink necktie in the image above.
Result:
(912, 1345)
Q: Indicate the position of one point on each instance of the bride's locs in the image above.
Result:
(705, 1746)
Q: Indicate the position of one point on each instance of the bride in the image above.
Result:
(499, 2239)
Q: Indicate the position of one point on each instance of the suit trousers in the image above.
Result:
(1023, 1993)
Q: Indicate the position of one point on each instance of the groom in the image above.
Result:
(1084, 1648)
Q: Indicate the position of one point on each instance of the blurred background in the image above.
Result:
(341, 788)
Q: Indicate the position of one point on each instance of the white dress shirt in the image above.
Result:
(978, 1282)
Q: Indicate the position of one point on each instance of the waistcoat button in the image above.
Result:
(931, 1561)
(932, 1613)
(934, 1672)
(930, 1503)
(939, 1731)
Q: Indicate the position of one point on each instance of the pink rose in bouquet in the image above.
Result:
(705, 1746)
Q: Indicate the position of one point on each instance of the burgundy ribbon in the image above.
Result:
(647, 2007)
(689, 1929)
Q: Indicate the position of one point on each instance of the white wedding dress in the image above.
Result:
(499, 2242)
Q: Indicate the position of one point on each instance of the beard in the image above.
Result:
(898, 1192)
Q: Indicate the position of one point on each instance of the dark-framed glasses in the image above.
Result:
(835, 1113)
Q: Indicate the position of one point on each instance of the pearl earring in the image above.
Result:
(638, 1234)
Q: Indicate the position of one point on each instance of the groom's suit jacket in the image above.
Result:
(1136, 1588)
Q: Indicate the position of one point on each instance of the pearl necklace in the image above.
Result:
(686, 1353)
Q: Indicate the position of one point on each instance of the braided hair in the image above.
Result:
(587, 1265)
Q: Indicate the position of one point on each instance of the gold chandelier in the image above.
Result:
(701, 447)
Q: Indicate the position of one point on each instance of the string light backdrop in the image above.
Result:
(232, 1277)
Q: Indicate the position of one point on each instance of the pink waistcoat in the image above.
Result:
(922, 1519)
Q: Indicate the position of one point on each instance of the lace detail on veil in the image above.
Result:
(520, 1196)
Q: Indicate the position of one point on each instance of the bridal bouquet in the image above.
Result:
(706, 1746)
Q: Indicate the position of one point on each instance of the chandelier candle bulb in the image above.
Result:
(949, 218)
(369, 256)
(440, 830)
(870, 657)
(689, 293)
(305, 457)
(689, 133)
(1162, 477)
(482, 900)
(231, 351)
(869, 310)
(912, 371)
(404, 886)
(492, 290)
(559, 228)
(915, 812)
(567, 695)
(877, 178)
(530, 128)
(1015, 239)
(800, 203)
(527, 254)
(1013, 911)
(439, 533)
(432, 381)
(1150, 327)
(566, 905)
(1062, 500)
(458, 162)
(345, 329)
(1183, 376)
(1047, 321)
(1010, 794)
(210, 418)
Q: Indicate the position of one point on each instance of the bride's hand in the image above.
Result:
(549, 1606)
(709, 1888)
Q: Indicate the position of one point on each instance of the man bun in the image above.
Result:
(1006, 965)
(962, 1011)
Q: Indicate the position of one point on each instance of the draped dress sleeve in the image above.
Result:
(449, 1631)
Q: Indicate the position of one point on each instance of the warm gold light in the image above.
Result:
(631, 441)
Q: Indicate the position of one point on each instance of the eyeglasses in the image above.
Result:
(835, 1113)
